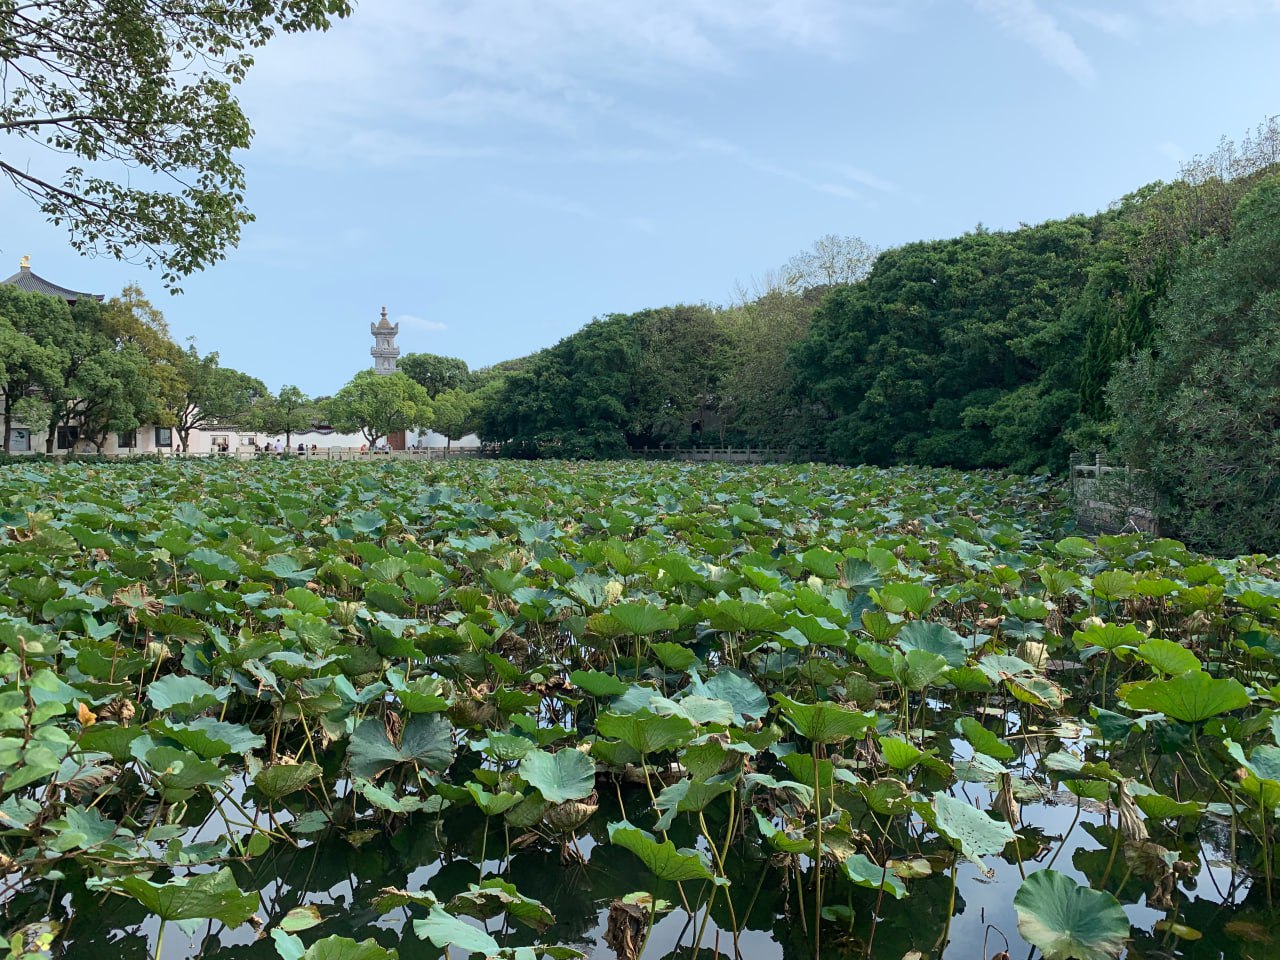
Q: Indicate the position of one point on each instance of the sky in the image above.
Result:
(499, 172)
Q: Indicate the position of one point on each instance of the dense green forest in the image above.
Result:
(999, 348)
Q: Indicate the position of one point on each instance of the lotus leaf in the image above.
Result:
(1067, 921)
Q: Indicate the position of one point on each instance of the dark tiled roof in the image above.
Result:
(24, 279)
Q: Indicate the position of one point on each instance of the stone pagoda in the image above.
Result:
(384, 350)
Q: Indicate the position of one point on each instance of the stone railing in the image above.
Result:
(1112, 499)
(717, 454)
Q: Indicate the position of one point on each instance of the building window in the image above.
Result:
(67, 437)
(247, 441)
(127, 441)
(164, 437)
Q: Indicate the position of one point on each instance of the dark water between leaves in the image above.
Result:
(342, 872)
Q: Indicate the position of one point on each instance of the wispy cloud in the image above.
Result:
(1214, 11)
(547, 201)
(1032, 24)
(863, 177)
(406, 80)
(421, 323)
(1115, 23)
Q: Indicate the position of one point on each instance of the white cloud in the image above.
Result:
(1213, 11)
(405, 80)
(420, 323)
(863, 177)
(1115, 23)
(1030, 23)
(547, 201)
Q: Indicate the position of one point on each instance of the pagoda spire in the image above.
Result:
(384, 350)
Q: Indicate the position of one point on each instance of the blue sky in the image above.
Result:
(497, 173)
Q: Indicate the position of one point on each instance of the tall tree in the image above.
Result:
(435, 373)
(29, 362)
(757, 393)
(290, 411)
(831, 261)
(455, 413)
(379, 405)
(210, 395)
(128, 86)
(1198, 411)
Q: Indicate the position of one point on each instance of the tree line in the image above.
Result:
(1149, 330)
(109, 368)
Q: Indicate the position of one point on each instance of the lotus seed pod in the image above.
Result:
(569, 816)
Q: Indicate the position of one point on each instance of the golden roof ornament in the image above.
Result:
(25, 262)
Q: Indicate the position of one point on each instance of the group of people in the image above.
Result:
(279, 447)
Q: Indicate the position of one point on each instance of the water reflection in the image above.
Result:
(773, 903)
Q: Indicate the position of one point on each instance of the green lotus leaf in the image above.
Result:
(205, 896)
(281, 779)
(862, 872)
(186, 695)
(968, 829)
(598, 684)
(443, 930)
(344, 948)
(983, 740)
(641, 619)
(565, 775)
(495, 896)
(663, 860)
(645, 731)
(1168, 657)
(1192, 697)
(426, 741)
(933, 638)
(823, 722)
(1067, 921)
(899, 754)
(208, 737)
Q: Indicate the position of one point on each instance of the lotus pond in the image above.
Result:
(283, 709)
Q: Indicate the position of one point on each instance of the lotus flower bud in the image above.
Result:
(612, 592)
(815, 583)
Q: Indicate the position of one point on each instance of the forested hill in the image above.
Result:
(992, 349)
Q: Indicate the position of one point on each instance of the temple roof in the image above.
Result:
(24, 279)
